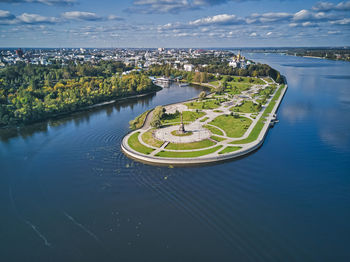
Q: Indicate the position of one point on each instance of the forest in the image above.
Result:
(29, 93)
(216, 67)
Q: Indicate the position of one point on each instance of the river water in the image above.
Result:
(67, 192)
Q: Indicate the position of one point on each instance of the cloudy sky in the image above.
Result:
(173, 23)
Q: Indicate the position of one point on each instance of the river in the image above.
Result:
(68, 193)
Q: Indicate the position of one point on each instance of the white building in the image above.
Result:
(188, 67)
(234, 64)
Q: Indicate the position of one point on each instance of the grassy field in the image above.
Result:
(188, 154)
(260, 124)
(233, 126)
(215, 83)
(188, 146)
(250, 80)
(229, 149)
(205, 104)
(188, 116)
(148, 138)
(214, 130)
(218, 139)
(138, 121)
(246, 107)
(241, 79)
(204, 119)
(135, 144)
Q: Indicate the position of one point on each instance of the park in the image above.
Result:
(229, 122)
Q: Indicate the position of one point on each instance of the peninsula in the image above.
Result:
(230, 122)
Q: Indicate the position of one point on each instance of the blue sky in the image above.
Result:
(174, 23)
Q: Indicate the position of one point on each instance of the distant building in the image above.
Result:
(234, 64)
(188, 67)
(238, 61)
(19, 52)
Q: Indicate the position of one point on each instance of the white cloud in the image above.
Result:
(253, 34)
(345, 21)
(78, 15)
(268, 17)
(306, 15)
(35, 19)
(326, 6)
(114, 17)
(223, 19)
(6, 15)
(333, 32)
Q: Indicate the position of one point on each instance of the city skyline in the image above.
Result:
(180, 23)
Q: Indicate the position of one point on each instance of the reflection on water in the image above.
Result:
(289, 201)
(296, 113)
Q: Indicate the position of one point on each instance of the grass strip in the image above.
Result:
(218, 139)
(135, 144)
(148, 138)
(188, 154)
(229, 149)
(188, 146)
(214, 130)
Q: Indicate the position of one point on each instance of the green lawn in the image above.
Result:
(233, 126)
(253, 135)
(188, 116)
(188, 154)
(188, 146)
(239, 84)
(205, 104)
(250, 80)
(135, 144)
(204, 119)
(246, 107)
(260, 124)
(218, 139)
(215, 83)
(229, 149)
(148, 138)
(214, 130)
(241, 79)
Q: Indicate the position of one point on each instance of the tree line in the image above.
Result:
(208, 73)
(29, 93)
